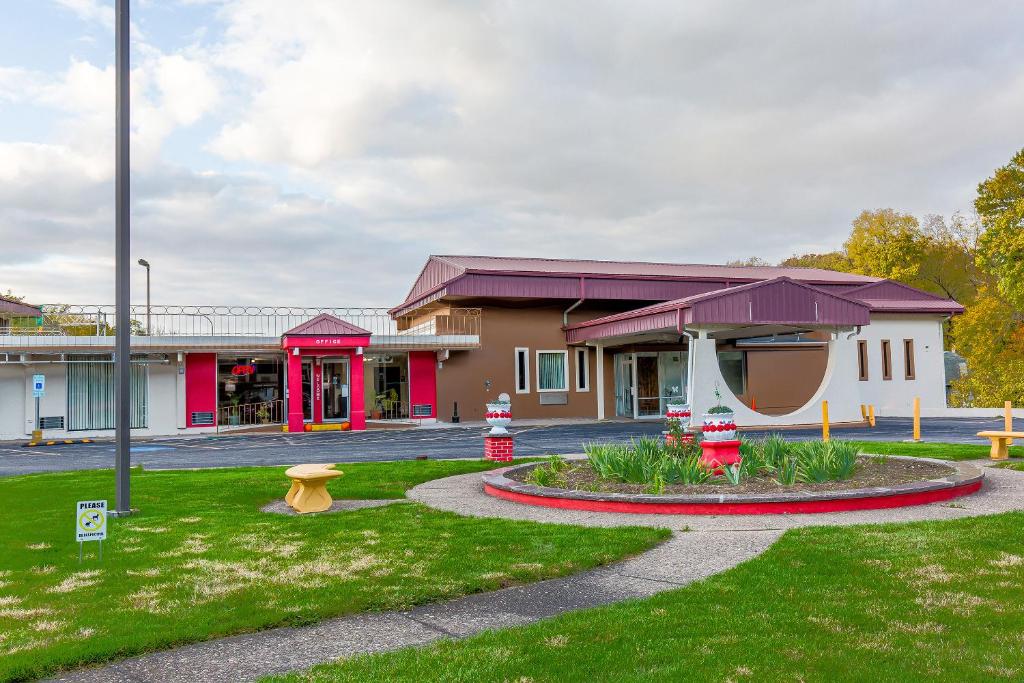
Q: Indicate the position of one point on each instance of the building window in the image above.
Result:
(522, 370)
(91, 394)
(862, 360)
(582, 369)
(908, 359)
(733, 365)
(552, 371)
(886, 359)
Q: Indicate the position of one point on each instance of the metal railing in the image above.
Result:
(251, 414)
(245, 321)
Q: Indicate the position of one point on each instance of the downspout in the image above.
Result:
(855, 332)
(583, 296)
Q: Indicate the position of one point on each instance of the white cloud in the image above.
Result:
(698, 131)
(91, 11)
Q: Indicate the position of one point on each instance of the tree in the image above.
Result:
(990, 335)
(832, 260)
(1000, 205)
(750, 261)
(886, 243)
(948, 264)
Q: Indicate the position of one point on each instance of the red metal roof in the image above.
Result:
(326, 325)
(781, 300)
(17, 308)
(497, 276)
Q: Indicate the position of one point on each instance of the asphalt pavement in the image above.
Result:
(408, 444)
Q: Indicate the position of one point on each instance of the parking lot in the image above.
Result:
(406, 444)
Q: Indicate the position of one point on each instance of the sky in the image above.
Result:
(315, 153)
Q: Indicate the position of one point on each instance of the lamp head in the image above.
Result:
(144, 263)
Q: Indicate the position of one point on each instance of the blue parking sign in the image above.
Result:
(38, 386)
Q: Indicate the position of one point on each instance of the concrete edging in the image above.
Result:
(964, 480)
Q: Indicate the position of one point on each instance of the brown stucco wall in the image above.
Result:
(464, 375)
(782, 380)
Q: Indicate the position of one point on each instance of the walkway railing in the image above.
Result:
(247, 321)
(251, 414)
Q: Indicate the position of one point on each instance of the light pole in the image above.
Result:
(122, 274)
(145, 264)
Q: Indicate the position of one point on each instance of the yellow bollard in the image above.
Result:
(871, 415)
(824, 420)
(1008, 420)
(863, 412)
(917, 419)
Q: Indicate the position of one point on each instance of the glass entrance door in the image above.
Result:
(646, 381)
(648, 403)
(336, 393)
(307, 389)
(624, 385)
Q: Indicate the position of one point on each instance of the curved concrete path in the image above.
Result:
(702, 546)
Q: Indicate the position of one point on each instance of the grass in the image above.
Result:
(930, 601)
(201, 560)
(940, 451)
(1018, 466)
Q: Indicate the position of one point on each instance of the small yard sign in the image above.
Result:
(91, 520)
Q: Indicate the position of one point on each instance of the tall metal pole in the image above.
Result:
(122, 285)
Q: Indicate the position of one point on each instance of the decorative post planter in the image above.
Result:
(680, 412)
(499, 416)
(720, 445)
(498, 442)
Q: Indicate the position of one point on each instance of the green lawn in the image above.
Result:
(930, 601)
(942, 451)
(201, 560)
(1018, 466)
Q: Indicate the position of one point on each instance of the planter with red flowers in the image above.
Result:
(720, 445)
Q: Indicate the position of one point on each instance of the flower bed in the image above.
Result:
(773, 476)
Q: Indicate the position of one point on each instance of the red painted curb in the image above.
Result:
(762, 508)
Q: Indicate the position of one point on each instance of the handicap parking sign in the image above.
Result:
(38, 386)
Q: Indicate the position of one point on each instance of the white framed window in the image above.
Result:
(552, 371)
(582, 368)
(522, 370)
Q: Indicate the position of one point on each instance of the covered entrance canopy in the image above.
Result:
(707, 328)
(325, 372)
(781, 304)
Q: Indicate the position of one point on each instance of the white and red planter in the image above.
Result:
(678, 411)
(499, 416)
(719, 427)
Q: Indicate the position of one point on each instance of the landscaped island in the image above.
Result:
(769, 475)
(767, 465)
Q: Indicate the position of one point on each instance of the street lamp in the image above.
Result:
(145, 264)
(122, 276)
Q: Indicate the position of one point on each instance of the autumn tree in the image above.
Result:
(886, 243)
(832, 260)
(990, 335)
(1000, 205)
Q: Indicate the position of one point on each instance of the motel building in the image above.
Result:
(564, 338)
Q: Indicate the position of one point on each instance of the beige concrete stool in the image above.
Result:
(309, 487)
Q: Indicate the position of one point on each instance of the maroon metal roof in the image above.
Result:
(495, 276)
(327, 325)
(17, 308)
(779, 301)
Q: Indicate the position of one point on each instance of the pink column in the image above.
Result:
(294, 392)
(357, 406)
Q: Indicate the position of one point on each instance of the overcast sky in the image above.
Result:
(314, 152)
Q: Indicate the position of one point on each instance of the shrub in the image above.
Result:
(550, 473)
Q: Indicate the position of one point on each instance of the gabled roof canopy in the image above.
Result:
(327, 325)
(9, 306)
(779, 301)
(505, 277)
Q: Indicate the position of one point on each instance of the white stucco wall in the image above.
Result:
(841, 385)
(17, 406)
(895, 397)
